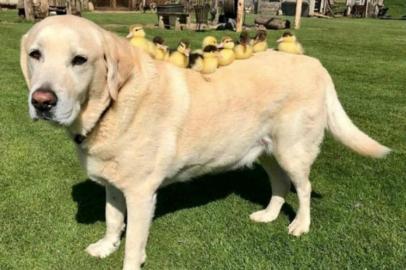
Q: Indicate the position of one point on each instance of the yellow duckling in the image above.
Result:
(161, 51)
(288, 43)
(260, 44)
(181, 55)
(210, 59)
(226, 52)
(138, 40)
(209, 40)
(244, 49)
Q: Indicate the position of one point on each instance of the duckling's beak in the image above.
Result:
(279, 40)
(220, 46)
(163, 47)
(130, 35)
(187, 52)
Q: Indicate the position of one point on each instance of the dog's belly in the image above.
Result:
(229, 159)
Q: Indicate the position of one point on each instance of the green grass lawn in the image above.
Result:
(49, 212)
(397, 8)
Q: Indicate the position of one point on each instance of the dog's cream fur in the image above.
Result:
(150, 123)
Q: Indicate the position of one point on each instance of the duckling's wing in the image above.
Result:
(300, 48)
(193, 59)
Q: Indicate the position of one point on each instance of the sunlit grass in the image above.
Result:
(49, 212)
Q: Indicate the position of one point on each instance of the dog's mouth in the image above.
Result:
(47, 116)
(62, 113)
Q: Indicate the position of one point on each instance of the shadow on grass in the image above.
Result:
(251, 185)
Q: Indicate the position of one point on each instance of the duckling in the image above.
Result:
(209, 40)
(260, 44)
(196, 61)
(181, 55)
(161, 50)
(288, 43)
(226, 52)
(210, 59)
(244, 49)
(138, 40)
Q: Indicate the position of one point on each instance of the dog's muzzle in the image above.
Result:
(44, 100)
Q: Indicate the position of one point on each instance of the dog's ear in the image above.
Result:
(24, 60)
(119, 61)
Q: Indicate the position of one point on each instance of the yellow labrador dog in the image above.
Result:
(140, 124)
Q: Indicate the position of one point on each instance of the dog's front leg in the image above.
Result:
(115, 213)
(140, 209)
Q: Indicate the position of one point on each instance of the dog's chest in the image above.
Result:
(99, 170)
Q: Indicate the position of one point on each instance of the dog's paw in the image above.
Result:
(144, 257)
(263, 216)
(299, 226)
(102, 248)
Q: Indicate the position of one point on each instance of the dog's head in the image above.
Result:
(71, 65)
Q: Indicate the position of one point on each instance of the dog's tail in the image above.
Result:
(342, 128)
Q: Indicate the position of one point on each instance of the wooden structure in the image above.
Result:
(141, 5)
(240, 15)
(8, 3)
(39, 9)
(179, 15)
(364, 8)
(298, 14)
(174, 15)
(115, 4)
(269, 8)
(320, 7)
(289, 7)
(202, 15)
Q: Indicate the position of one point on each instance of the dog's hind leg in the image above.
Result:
(296, 147)
(280, 184)
(115, 213)
(297, 165)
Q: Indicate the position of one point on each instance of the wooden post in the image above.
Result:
(322, 5)
(298, 14)
(216, 17)
(29, 10)
(312, 6)
(20, 8)
(161, 22)
(20, 4)
(134, 5)
(79, 6)
(44, 8)
(177, 24)
(69, 7)
(366, 8)
(85, 5)
(240, 15)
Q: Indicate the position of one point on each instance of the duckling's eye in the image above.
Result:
(78, 60)
(36, 54)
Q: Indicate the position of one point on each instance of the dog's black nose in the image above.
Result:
(43, 100)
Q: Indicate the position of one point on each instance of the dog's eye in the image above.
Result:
(78, 60)
(36, 54)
